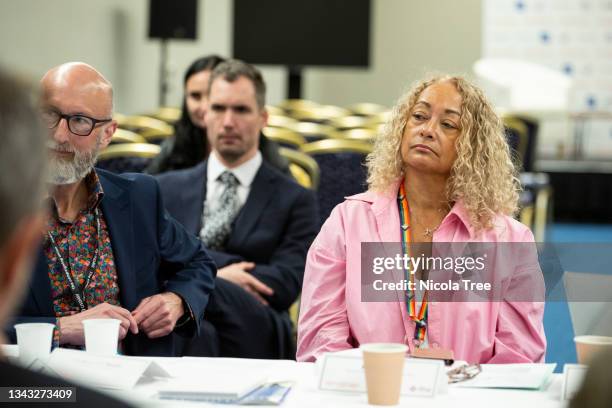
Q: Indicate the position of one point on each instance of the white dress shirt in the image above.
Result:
(245, 173)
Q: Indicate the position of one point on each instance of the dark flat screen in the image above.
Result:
(173, 19)
(302, 32)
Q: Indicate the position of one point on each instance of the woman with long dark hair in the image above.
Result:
(189, 146)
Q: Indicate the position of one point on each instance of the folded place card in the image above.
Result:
(109, 372)
(344, 372)
(573, 376)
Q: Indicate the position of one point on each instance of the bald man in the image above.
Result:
(22, 165)
(109, 248)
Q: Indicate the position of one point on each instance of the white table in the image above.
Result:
(305, 392)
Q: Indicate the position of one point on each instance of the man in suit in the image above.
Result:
(22, 164)
(256, 222)
(109, 250)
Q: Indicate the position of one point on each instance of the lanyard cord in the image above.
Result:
(420, 317)
(79, 294)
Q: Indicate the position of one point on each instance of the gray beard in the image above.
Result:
(68, 172)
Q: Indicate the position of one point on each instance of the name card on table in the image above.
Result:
(573, 376)
(345, 372)
(110, 372)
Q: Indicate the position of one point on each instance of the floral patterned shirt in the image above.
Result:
(77, 242)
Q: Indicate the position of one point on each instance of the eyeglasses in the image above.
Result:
(80, 125)
(463, 373)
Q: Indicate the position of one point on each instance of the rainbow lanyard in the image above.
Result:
(420, 317)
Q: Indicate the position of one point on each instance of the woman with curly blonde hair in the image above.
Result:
(441, 172)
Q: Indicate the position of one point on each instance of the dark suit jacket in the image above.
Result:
(14, 376)
(274, 228)
(153, 254)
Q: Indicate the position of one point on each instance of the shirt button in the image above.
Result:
(434, 345)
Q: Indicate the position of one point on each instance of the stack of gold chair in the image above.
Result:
(151, 129)
(314, 122)
(137, 138)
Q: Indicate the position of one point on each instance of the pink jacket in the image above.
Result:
(333, 317)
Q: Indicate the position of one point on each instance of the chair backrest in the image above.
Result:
(126, 136)
(538, 185)
(367, 109)
(303, 168)
(533, 126)
(153, 130)
(127, 157)
(314, 131)
(168, 114)
(350, 122)
(290, 105)
(284, 137)
(342, 170)
(319, 114)
(156, 136)
(364, 134)
(280, 121)
(300, 175)
(517, 136)
(275, 110)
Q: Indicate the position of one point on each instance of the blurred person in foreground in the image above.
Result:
(440, 173)
(22, 164)
(595, 391)
(109, 250)
(190, 145)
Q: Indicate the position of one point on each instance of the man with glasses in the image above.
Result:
(22, 166)
(109, 248)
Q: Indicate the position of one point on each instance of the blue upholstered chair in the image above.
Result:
(127, 157)
(342, 170)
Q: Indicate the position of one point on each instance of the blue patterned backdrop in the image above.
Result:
(571, 36)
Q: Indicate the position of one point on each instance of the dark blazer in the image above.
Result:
(153, 254)
(274, 228)
(14, 376)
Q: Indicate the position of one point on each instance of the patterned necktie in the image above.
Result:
(218, 223)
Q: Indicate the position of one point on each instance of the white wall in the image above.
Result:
(408, 39)
(112, 36)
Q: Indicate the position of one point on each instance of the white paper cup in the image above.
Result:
(101, 336)
(34, 341)
(588, 346)
(383, 364)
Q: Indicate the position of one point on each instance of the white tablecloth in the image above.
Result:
(305, 393)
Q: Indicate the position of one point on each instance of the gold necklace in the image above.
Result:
(428, 233)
